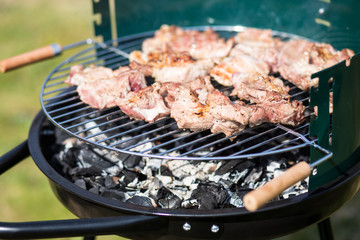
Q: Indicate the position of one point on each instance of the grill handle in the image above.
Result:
(260, 196)
(30, 57)
(83, 227)
(39, 54)
(14, 156)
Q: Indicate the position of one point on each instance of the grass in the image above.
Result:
(27, 25)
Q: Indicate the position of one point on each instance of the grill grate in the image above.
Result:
(111, 129)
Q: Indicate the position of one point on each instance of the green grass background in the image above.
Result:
(25, 192)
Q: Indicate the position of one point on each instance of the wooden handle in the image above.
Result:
(260, 196)
(30, 57)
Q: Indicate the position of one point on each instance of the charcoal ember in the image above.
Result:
(210, 195)
(110, 183)
(86, 172)
(87, 158)
(234, 165)
(80, 183)
(113, 194)
(165, 171)
(166, 199)
(141, 200)
(130, 161)
(127, 176)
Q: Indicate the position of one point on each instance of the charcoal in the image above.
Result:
(210, 195)
(113, 194)
(130, 161)
(165, 171)
(90, 158)
(166, 199)
(80, 183)
(170, 184)
(234, 165)
(110, 183)
(128, 176)
(87, 172)
(140, 200)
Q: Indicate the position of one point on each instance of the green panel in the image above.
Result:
(336, 22)
(103, 27)
(345, 140)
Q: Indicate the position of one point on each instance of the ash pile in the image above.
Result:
(170, 184)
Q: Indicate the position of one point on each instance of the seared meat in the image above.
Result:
(219, 114)
(199, 45)
(100, 86)
(284, 112)
(79, 74)
(299, 59)
(148, 104)
(223, 72)
(258, 43)
(258, 88)
(170, 66)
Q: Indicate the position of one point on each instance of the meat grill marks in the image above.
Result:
(258, 88)
(170, 66)
(200, 45)
(207, 109)
(247, 64)
(298, 59)
(100, 86)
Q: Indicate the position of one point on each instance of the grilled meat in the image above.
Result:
(258, 88)
(219, 114)
(299, 59)
(170, 66)
(258, 43)
(224, 71)
(148, 104)
(199, 45)
(100, 86)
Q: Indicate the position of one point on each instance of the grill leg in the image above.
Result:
(325, 230)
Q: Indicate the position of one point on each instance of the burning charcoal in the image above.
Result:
(210, 195)
(141, 200)
(127, 177)
(110, 183)
(238, 165)
(89, 158)
(165, 171)
(130, 161)
(80, 183)
(114, 194)
(86, 172)
(166, 199)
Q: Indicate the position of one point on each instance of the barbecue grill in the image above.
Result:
(335, 161)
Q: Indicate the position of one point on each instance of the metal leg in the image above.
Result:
(325, 230)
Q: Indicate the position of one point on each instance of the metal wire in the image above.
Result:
(111, 129)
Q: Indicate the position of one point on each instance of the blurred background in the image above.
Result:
(25, 193)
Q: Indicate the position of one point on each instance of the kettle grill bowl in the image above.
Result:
(276, 219)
